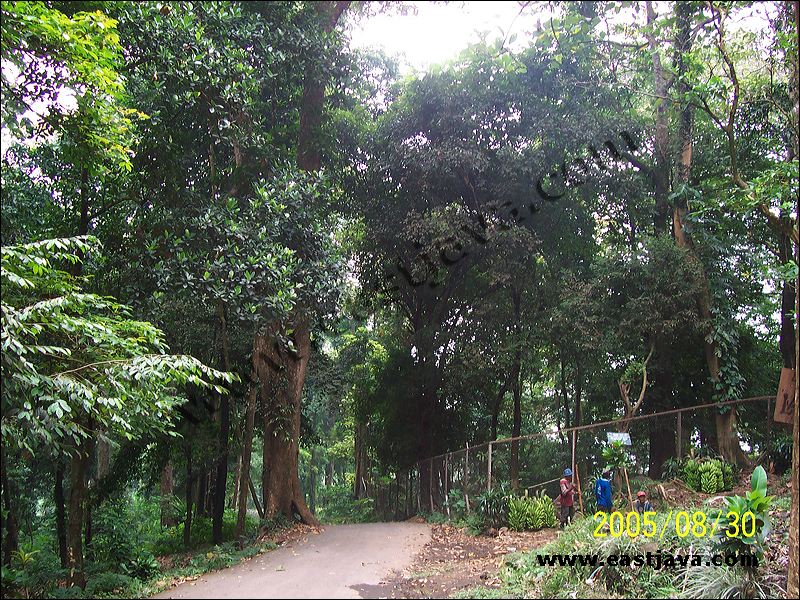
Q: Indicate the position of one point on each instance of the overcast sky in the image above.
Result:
(438, 32)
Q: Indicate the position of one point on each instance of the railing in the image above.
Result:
(455, 479)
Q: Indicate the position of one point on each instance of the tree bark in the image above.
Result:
(247, 451)
(282, 378)
(498, 405)
(224, 434)
(11, 541)
(661, 170)
(787, 341)
(361, 474)
(200, 504)
(79, 467)
(167, 487)
(61, 519)
(233, 502)
(793, 575)
(187, 524)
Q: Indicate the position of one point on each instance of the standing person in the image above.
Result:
(567, 498)
(602, 493)
(642, 503)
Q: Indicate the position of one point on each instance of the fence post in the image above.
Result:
(430, 482)
(466, 478)
(419, 488)
(573, 451)
(489, 470)
(447, 484)
(679, 441)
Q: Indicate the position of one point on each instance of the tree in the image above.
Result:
(74, 362)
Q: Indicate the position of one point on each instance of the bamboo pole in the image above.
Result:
(599, 424)
(489, 470)
(430, 482)
(573, 451)
(628, 484)
(580, 493)
(447, 485)
(466, 478)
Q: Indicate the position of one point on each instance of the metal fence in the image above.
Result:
(453, 481)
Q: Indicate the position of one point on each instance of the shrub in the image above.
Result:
(757, 503)
(141, 566)
(672, 468)
(722, 582)
(493, 506)
(337, 505)
(106, 583)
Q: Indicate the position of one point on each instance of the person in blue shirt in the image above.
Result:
(602, 492)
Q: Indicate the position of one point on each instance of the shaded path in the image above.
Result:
(334, 564)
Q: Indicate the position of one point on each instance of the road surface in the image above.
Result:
(344, 561)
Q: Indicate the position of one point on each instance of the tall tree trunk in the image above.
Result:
(793, 575)
(224, 434)
(187, 523)
(793, 586)
(167, 489)
(498, 405)
(200, 504)
(661, 170)
(312, 481)
(247, 451)
(283, 388)
(61, 519)
(79, 467)
(11, 541)
(727, 433)
(360, 482)
(233, 502)
(787, 341)
(516, 370)
(329, 474)
(280, 479)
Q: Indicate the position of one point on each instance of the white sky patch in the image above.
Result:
(438, 32)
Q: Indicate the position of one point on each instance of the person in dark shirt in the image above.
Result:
(642, 503)
(567, 498)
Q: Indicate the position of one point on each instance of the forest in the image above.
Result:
(258, 279)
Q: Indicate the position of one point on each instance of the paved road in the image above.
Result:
(337, 563)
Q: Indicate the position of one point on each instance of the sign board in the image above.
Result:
(784, 402)
(625, 438)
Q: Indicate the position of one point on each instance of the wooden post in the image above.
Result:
(430, 481)
(255, 496)
(466, 478)
(628, 484)
(679, 441)
(580, 492)
(447, 485)
(489, 470)
(419, 489)
(769, 427)
(573, 450)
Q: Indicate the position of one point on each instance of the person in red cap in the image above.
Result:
(642, 503)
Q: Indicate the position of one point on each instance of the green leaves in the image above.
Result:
(746, 523)
(75, 362)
